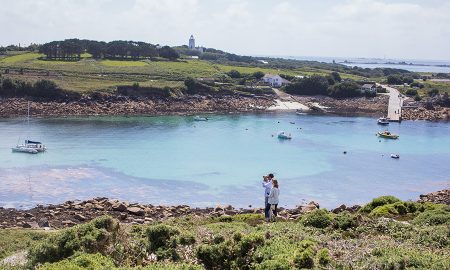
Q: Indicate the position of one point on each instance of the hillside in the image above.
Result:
(384, 234)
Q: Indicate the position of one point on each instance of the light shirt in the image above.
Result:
(273, 195)
(267, 187)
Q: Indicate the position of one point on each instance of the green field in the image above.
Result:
(104, 75)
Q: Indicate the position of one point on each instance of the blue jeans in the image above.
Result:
(267, 210)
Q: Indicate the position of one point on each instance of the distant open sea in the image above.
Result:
(412, 64)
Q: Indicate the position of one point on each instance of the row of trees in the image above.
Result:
(71, 49)
(331, 85)
(40, 89)
(400, 79)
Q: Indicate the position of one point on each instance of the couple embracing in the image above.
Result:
(271, 193)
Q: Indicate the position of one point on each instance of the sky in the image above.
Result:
(400, 29)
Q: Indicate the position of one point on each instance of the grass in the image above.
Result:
(125, 63)
(84, 75)
(25, 57)
(13, 240)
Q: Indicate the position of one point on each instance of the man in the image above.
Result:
(267, 185)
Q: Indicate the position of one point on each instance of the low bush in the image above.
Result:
(161, 240)
(401, 258)
(304, 259)
(80, 262)
(344, 221)
(411, 92)
(387, 210)
(215, 256)
(383, 200)
(93, 237)
(433, 217)
(318, 219)
(323, 256)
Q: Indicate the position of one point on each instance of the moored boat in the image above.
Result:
(284, 136)
(23, 149)
(387, 135)
(383, 121)
(198, 118)
(396, 156)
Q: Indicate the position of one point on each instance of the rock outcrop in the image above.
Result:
(441, 196)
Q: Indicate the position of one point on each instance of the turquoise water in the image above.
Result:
(175, 160)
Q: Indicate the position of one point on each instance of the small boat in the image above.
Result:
(300, 112)
(30, 147)
(23, 149)
(387, 135)
(198, 118)
(383, 121)
(284, 136)
(396, 156)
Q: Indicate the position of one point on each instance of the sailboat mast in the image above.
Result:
(28, 114)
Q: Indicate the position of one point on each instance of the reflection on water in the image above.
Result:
(175, 160)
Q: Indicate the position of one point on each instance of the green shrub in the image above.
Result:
(433, 217)
(411, 92)
(318, 219)
(400, 258)
(248, 244)
(274, 265)
(304, 259)
(81, 262)
(225, 218)
(344, 221)
(187, 240)
(215, 256)
(306, 243)
(388, 210)
(160, 236)
(401, 208)
(95, 236)
(323, 256)
(383, 200)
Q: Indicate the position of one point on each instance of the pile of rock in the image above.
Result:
(421, 113)
(441, 196)
(75, 212)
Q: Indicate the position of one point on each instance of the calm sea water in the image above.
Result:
(175, 160)
(434, 66)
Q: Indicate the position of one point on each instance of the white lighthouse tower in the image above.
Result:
(192, 42)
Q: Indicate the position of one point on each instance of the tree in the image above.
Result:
(234, 74)
(336, 76)
(314, 85)
(394, 79)
(345, 89)
(258, 75)
(168, 52)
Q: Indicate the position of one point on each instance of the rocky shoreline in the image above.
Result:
(188, 105)
(119, 105)
(17, 107)
(72, 213)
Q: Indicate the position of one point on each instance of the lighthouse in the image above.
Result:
(192, 42)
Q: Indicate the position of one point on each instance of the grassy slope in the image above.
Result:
(367, 240)
(85, 76)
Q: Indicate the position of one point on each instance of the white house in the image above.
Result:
(274, 80)
(369, 88)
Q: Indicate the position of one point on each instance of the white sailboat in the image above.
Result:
(30, 147)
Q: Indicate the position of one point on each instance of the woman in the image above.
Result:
(272, 204)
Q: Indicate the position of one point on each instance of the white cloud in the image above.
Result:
(359, 28)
